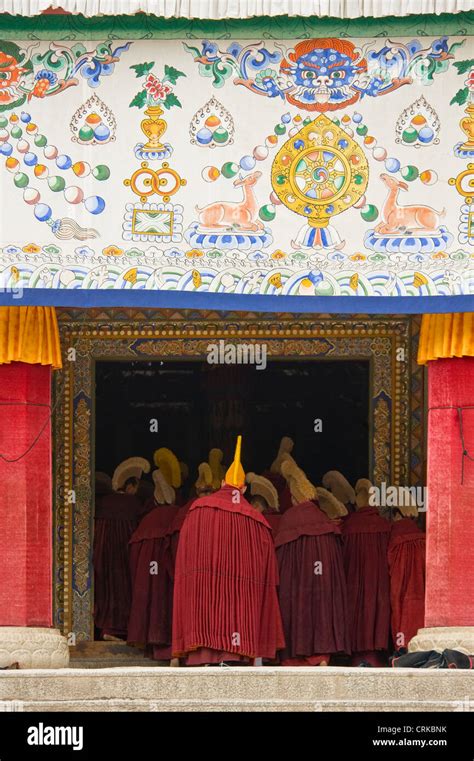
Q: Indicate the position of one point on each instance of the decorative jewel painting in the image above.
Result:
(418, 125)
(212, 126)
(93, 123)
(158, 168)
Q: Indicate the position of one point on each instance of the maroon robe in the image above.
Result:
(406, 560)
(365, 545)
(174, 532)
(313, 606)
(225, 603)
(274, 519)
(116, 517)
(152, 586)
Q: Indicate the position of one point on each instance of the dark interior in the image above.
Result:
(199, 406)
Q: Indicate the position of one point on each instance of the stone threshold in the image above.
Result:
(237, 689)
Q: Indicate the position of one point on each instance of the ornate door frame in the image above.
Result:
(396, 405)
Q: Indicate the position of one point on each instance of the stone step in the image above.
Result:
(234, 706)
(109, 654)
(237, 689)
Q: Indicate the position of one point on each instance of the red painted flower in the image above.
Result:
(156, 88)
(470, 80)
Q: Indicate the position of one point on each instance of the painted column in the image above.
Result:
(449, 610)
(26, 519)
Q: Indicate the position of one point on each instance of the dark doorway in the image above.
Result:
(198, 406)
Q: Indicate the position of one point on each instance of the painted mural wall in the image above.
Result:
(330, 166)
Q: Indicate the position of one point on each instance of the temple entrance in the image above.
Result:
(357, 375)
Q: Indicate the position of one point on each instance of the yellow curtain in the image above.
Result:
(446, 335)
(31, 335)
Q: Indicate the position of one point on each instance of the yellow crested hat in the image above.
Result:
(362, 491)
(262, 487)
(168, 464)
(215, 463)
(204, 480)
(286, 447)
(133, 467)
(300, 487)
(235, 475)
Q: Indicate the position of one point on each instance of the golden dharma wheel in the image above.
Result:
(320, 171)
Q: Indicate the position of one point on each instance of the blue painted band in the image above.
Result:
(237, 302)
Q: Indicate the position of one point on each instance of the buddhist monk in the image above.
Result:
(152, 588)
(365, 545)
(338, 485)
(225, 606)
(152, 602)
(116, 517)
(264, 497)
(312, 588)
(165, 461)
(274, 474)
(406, 560)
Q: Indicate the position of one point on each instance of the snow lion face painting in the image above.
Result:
(323, 73)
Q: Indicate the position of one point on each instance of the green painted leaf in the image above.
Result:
(172, 74)
(139, 99)
(171, 100)
(460, 97)
(463, 66)
(142, 68)
(189, 49)
(455, 45)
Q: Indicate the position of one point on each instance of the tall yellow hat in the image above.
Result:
(235, 475)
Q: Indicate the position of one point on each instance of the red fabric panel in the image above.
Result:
(450, 525)
(25, 497)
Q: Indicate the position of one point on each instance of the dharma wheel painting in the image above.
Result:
(329, 167)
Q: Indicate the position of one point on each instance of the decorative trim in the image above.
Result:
(142, 26)
(127, 298)
(150, 334)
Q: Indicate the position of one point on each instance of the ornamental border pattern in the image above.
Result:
(142, 26)
(148, 334)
